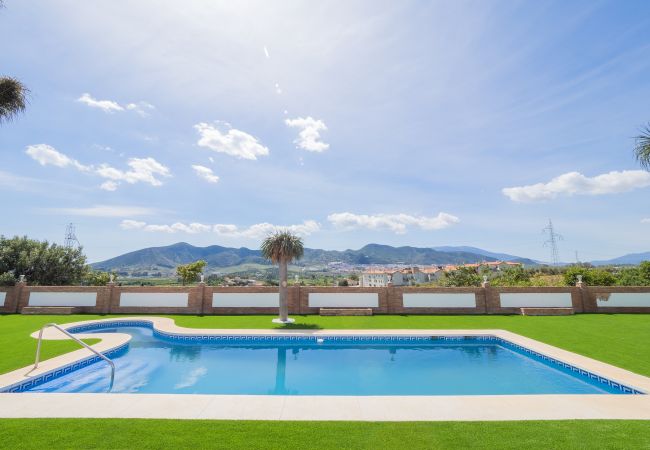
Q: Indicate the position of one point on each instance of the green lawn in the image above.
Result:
(620, 339)
(200, 434)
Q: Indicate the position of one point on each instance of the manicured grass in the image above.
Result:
(618, 339)
(195, 434)
(17, 348)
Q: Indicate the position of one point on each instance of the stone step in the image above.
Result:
(49, 310)
(547, 311)
(345, 312)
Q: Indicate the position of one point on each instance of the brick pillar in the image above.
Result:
(109, 298)
(114, 299)
(582, 289)
(21, 295)
(492, 299)
(202, 297)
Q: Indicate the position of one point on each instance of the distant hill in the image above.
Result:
(480, 251)
(631, 258)
(167, 258)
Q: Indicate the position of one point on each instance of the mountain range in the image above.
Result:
(168, 257)
(631, 258)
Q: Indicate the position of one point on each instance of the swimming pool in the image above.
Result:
(391, 365)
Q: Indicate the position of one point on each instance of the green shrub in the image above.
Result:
(7, 279)
(512, 276)
(98, 278)
(590, 276)
(461, 277)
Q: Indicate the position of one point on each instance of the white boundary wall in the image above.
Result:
(629, 299)
(252, 299)
(344, 300)
(62, 298)
(154, 299)
(533, 300)
(440, 300)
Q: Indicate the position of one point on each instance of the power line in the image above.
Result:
(552, 241)
(70, 237)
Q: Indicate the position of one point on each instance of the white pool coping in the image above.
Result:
(357, 408)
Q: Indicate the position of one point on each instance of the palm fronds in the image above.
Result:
(642, 147)
(13, 98)
(282, 245)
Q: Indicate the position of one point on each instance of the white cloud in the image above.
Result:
(109, 186)
(141, 108)
(142, 170)
(192, 378)
(108, 106)
(647, 220)
(47, 155)
(105, 211)
(205, 173)
(256, 231)
(132, 224)
(309, 136)
(232, 142)
(397, 223)
(574, 183)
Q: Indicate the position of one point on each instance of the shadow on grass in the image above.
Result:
(300, 326)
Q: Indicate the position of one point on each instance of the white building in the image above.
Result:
(375, 278)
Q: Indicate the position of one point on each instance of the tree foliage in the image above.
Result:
(461, 277)
(282, 246)
(642, 147)
(635, 276)
(41, 262)
(98, 278)
(190, 272)
(512, 276)
(590, 276)
(13, 98)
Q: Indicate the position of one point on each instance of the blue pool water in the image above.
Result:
(427, 366)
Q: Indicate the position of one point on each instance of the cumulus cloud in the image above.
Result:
(205, 173)
(256, 231)
(230, 141)
(108, 106)
(141, 108)
(309, 135)
(397, 223)
(141, 170)
(105, 211)
(47, 155)
(575, 183)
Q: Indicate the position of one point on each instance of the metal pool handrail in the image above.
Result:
(79, 341)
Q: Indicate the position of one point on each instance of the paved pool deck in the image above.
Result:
(361, 408)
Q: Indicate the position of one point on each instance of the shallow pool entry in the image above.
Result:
(156, 362)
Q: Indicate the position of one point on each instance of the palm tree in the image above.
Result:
(12, 98)
(642, 147)
(282, 248)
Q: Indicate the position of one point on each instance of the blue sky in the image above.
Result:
(404, 123)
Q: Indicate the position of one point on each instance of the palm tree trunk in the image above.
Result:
(284, 307)
(281, 372)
